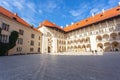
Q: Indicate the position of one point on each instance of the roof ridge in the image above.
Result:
(10, 14)
(93, 18)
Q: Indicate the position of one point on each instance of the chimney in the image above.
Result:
(66, 25)
(61, 26)
(39, 24)
(32, 26)
(15, 14)
(118, 3)
(72, 23)
(93, 15)
(103, 10)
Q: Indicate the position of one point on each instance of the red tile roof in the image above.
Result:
(50, 24)
(96, 18)
(14, 16)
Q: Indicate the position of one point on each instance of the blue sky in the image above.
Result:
(60, 12)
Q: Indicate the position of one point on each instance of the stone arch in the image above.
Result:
(68, 47)
(119, 35)
(49, 49)
(100, 47)
(107, 46)
(99, 38)
(87, 39)
(115, 46)
(105, 36)
(81, 41)
(78, 40)
(74, 41)
(107, 49)
(113, 36)
(84, 40)
(75, 47)
(71, 47)
(88, 47)
(83, 48)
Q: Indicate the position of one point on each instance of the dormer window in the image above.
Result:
(101, 15)
(86, 20)
(118, 9)
(77, 24)
(14, 18)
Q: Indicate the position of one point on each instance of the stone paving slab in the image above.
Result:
(60, 67)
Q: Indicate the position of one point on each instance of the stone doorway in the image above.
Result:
(49, 49)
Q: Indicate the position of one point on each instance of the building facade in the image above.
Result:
(29, 40)
(98, 33)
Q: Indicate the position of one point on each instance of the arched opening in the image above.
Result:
(99, 38)
(115, 46)
(71, 41)
(75, 48)
(87, 39)
(119, 35)
(107, 46)
(113, 36)
(100, 47)
(88, 47)
(78, 40)
(49, 49)
(64, 49)
(83, 48)
(68, 42)
(79, 48)
(81, 41)
(106, 37)
(84, 40)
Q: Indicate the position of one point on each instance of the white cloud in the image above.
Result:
(75, 12)
(49, 6)
(94, 10)
(6, 5)
(31, 6)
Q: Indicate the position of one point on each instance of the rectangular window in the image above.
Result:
(39, 37)
(4, 38)
(20, 41)
(5, 27)
(19, 49)
(38, 49)
(103, 25)
(21, 32)
(32, 36)
(32, 43)
(38, 43)
(110, 22)
(31, 49)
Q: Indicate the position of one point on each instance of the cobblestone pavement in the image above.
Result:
(53, 67)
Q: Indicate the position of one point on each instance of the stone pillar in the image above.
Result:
(93, 42)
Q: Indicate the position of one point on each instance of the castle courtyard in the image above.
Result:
(60, 67)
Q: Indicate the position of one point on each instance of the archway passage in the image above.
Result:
(115, 46)
(100, 47)
(113, 36)
(49, 49)
(99, 38)
(88, 47)
(105, 36)
(107, 46)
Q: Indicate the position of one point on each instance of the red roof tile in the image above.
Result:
(50, 24)
(96, 18)
(14, 16)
